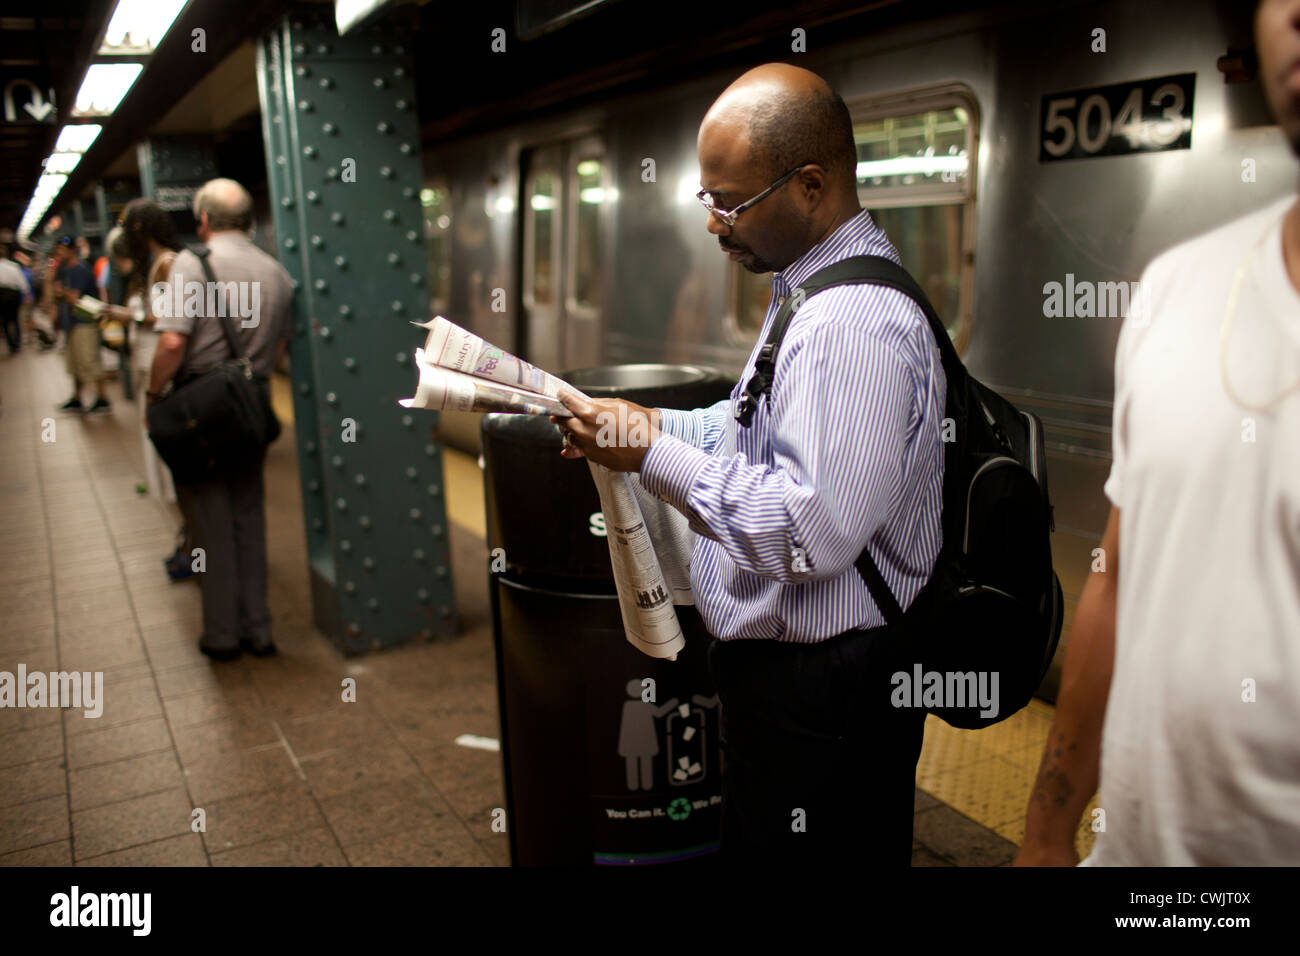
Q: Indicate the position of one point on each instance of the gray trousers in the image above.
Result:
(227, 519)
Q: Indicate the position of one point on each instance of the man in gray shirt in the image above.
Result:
(227, 516)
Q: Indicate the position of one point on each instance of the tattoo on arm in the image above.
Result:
(1053, 788)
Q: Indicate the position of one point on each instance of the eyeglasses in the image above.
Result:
(728, 217)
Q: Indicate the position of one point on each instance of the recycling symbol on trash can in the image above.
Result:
(679, 809)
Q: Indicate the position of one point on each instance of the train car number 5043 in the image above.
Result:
(1143, 116)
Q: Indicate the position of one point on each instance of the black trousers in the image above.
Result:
(817, 765)
(227, 518)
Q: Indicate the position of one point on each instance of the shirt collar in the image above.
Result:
(226, 235)
(853, 237)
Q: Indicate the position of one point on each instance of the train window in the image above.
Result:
(916, 177)
(435, 199)
(915, 154)
(587, 196)
(540, 237)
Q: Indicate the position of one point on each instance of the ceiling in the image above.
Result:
(191, 93)
(49, 42)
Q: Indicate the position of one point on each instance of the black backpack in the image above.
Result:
(992, 603)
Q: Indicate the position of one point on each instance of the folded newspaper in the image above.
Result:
(649, 541)
(88, 307)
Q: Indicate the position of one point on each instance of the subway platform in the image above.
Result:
(285, 772)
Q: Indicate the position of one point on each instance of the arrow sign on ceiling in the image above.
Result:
(37, 106)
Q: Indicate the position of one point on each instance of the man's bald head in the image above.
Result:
(227, 204)
(790, 117)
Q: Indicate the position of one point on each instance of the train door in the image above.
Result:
(566, 191)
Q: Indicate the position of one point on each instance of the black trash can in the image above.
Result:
(611, 757)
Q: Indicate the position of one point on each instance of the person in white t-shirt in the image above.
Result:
(1181, 688)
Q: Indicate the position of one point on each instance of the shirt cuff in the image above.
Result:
(670, 468)
(685, 425)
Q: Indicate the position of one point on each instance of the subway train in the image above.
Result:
(1027, 160)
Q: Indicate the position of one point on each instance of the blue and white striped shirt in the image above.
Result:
(845, 450)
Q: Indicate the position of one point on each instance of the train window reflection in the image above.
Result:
(542, 201)
(435, 200)
(928, 148)
(589, 193)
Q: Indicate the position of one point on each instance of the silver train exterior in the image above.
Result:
(645, 282)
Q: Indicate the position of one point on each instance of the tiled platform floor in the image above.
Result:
(285, 773)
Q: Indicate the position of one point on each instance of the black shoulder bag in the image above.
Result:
(992, 605)
(212, 424)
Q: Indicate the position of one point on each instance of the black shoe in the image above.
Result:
(219, 653)
(101, 405)
(72, 405)
(261, 647)
(178, 565)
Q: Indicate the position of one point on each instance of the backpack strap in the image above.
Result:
(856, 270)
(227, 326)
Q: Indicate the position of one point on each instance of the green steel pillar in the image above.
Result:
(343, 167)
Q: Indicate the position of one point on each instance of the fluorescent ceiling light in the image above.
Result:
(348, 13)
(50, 184)
(77, 138)
(902, 165)
(139, 25)
(62, 162)
(104, 86)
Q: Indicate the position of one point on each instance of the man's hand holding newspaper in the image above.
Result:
(459, 371)
(611, 432)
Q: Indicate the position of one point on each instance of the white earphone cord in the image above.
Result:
(1225, 332)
